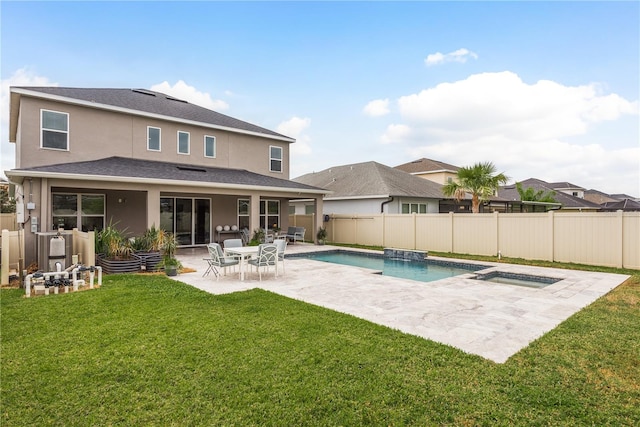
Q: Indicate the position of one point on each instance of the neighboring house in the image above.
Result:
(627, 205)
(371, 188)
(613, 202)
(599, 197)
(567, 188)
(433, 170)
(563, 196)
(136, 158)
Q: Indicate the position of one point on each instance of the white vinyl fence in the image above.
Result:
(610, 239)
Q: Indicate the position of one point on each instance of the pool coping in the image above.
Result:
(488, 319)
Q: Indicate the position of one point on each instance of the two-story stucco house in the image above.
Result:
(136, 158)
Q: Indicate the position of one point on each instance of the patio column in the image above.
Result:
(254, 214)
(153, 207)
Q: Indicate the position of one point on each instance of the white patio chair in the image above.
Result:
(267, 257)
(218, 260)
(281, 244)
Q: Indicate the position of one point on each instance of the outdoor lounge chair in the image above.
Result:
(218, 260)
(267, 257)
(295, 234)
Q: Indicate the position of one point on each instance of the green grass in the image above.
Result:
(145, 350)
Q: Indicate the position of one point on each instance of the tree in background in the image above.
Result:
(480, 180)
(7, 204)
(531, 195)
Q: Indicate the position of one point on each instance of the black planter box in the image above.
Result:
(113, 266)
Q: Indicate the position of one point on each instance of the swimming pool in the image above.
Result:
(422, 271)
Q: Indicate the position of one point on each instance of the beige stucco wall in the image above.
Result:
(96, 134)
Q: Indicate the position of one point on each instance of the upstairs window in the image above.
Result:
(209, 146)
(153, 138)
(54, 130)
(275, 159)
(183, 142)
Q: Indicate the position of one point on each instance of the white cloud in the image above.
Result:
(395, 133)
(183, 91)
(377, 108)
(295, 128)
(541, 130)
(22, 77)
(460, 55)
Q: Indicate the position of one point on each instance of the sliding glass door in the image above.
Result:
(188, 218)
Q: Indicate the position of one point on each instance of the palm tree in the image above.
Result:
(531, 195)
(479, 180)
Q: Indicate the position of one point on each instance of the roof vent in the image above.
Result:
(170, 98)
(184, 168)
(144, 92)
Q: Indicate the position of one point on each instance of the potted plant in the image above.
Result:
(169, 262)
(115, 252)
(258, 237)
(321, 235)
(149, 246)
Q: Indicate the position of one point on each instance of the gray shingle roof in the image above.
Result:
(510, 192)
(122, 167)
(426, 165)
(148, 101)
(371, 179)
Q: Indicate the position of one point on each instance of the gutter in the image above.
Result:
(384, 203)
(18, 178)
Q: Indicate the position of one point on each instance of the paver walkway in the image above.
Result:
(492, 320)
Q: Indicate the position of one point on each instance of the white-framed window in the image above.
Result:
(78, 210)
(270, 214)
(409, 208)
(183, 142)
(275, 158)
(243, 213)
(209, 146)
(54, 130)
(154, 138)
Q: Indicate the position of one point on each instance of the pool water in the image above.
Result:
(422, 271)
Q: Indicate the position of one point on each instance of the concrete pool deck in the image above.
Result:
(488, 319)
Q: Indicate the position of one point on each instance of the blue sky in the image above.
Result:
(542, 89)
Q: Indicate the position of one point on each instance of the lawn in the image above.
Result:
(145, 350)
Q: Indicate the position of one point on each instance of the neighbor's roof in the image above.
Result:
(370, 180)
(153, 172)
(139, 102)
(568, 201)
(625, 205)
(563, 186)
(427, 166)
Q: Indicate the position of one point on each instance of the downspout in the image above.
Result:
(384, 203)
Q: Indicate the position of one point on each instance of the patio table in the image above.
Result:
(244, 253)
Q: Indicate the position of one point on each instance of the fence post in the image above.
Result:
(415, 230)
(4, 275)
(452, 232)
(620, 246)
(496, 216)
(552, 235)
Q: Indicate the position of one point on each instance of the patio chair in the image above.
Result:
(218, 260)
(295, 234)
(267, 256)
(244, 235)
(233, 243)
(281, 244)
(269, 236)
